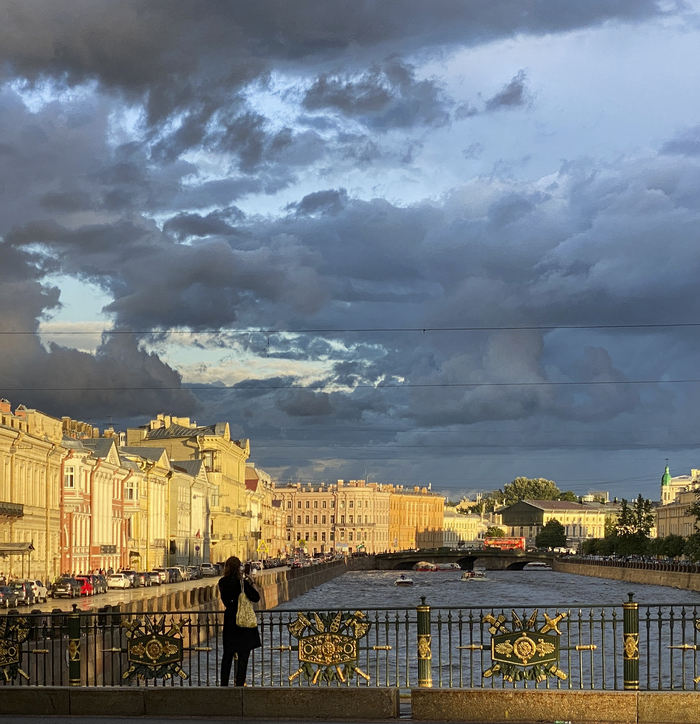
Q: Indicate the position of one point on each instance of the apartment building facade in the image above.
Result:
(224, 461)
(30, 492)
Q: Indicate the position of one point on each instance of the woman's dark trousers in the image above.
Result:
(241, 667)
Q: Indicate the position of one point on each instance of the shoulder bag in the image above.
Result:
(245, 616)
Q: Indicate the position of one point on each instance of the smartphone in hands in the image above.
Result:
(246, 569)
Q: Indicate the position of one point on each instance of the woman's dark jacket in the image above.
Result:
(236, 638)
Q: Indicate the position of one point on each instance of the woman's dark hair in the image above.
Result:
(232, 566)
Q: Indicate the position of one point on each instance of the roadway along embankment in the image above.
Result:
(632, 574)
(276, 586)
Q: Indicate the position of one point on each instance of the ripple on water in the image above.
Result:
(367, 589)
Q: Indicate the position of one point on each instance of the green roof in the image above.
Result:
(666, 477)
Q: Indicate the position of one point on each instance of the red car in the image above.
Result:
(86, 587)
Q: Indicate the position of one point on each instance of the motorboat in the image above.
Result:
(474, 576)
(423, 566)
(403, 580)
(448, 567)
(537, 566)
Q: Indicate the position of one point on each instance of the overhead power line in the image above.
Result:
(350, 330)
(321, 388)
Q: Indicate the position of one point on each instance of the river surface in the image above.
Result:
(362, 589)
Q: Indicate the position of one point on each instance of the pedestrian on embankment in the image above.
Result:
(237, 639)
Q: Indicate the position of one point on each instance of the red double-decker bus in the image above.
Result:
(505, 544)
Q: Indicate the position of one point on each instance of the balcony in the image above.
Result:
(11, 510)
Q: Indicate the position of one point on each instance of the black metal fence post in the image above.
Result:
(630, 634)
(74, 675)
(425, 676)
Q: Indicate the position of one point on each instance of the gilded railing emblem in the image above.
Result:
(524, 651)
(14, 631)
(328, 645)
(153, 652)
(631, 646)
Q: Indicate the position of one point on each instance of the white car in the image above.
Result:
(118, 580)
(41, 595)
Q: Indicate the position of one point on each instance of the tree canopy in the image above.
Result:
(552, 535)
(494, 531)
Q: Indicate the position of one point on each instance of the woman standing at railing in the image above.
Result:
(237, 640)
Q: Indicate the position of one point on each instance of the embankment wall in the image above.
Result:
(673, 578)
(275, 587)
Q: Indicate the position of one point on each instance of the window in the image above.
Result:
(342, 535)
(323, 537)
(298, 520)
(351, 504)
(306, 519)
(332, 520)
(289, 520)
(350, 519)
(315, 503)
(315, 537)
(323, 504)
(350, 535)
(323, 519)
(68, 478)
(289, 504)
(298, 503)
(332, 536)
(289, 536)
(315, 520)
(298, 536)
(342, 520)
(208, 457)
(306, 505)
(342, 503)
(332, 503)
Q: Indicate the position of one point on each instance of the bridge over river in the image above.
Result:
(491, 560)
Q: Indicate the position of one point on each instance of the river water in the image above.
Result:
(527, 588)
(589, 631)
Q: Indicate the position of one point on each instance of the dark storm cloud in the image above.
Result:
(305, 403)
(323, 202)
(190, 62)
(512, 95)
(685, 144)
(62, 381)
(385, 97)
(216, 223)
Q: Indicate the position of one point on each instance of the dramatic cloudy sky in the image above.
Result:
(448, 242)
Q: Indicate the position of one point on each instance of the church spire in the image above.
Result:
(666, 477)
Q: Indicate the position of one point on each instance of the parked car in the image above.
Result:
(38, 589)
(195, 572)
(65, 586)
(24, 591)
(155, 578)
(8, 598)
(175, 575)
(164, 575)
(133, 577)
(184, 572)
(144, 578)
(207, 570)
(86, 588)
(118, 580)
(101, 583)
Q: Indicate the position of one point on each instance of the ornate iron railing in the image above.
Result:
(650, 647)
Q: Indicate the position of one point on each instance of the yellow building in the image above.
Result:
(344, 517)
(674, 518)
(267, 535)
(526, 518)
(30, 492)
(415, 519)
(148, 513)
(225, 463)
(190, 496)
(462, 528)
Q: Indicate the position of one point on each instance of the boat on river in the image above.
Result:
(474, 576)
(537, 566)
(403, 580)
(423, 566)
